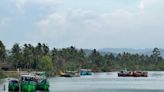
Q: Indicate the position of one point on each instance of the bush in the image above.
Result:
(45, 63)
(1, 74)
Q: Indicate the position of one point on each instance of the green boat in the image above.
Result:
(42, 82)
(13, 85)
(43, 85)
(28, 83)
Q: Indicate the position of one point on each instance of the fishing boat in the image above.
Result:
(43, 85)
(13, 85)
(28, 83)
(125, 73)
(87, 72)
(42, 82)
(69, 74)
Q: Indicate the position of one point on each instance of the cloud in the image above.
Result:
(147, 3)
(78, 26)
(89, 28)
(64, 24)
(4, 21)
(141, 5)
(21, 3)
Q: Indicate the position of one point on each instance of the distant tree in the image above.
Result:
(2, 52)
(38, 53)
(39, 50)
(16, 56)
(41, 57)
(45, 49)
(45, 63)
(54, 56)
(156, 54)
(81, 58)
(28, 55)
(97, 60)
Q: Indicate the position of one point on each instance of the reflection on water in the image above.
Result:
(106, 82)
(157, 74)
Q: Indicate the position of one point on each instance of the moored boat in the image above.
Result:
(69, 74)
(87, 72)
(62, 74)
(126, 73)
(43, 85)
(28, 83)
(13, 85)
(42, 82)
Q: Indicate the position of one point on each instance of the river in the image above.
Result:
(105, 82)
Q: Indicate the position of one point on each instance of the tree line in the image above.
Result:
(41, 58)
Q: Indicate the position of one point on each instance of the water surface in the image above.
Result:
(105, 82)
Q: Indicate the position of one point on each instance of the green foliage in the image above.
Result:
(40, 57)
(97, 60)
(28, 55)
(2, 52)
(156, 54)
(1, 74)
(17, 56)
(45, 63)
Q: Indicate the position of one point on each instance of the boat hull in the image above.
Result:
(43, 85)
(133, 74)
(13, 87)
(85, 72)
(28, 86)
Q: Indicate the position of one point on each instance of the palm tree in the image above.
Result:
(2, 52)
(156, 54)
(16, 56)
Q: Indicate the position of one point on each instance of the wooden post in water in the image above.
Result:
(19, 79)
(4, 87)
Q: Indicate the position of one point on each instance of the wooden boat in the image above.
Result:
(28, 83)
(13, 85)
(125, 73)
(69, 74)
(87, 72)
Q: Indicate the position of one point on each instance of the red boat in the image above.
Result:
(132, 74)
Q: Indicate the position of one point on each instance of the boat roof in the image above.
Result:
(13, 79)
(85, 70)
(27, 75)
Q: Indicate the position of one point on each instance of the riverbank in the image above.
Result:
(15, 74)
(1, 75)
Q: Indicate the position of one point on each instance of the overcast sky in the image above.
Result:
(83, 23)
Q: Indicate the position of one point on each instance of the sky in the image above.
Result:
(83, 23)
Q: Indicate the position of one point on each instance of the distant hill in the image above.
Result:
(146, 51)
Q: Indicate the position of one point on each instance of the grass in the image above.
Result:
(1, 74)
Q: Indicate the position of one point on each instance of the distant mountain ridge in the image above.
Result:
(146, 51)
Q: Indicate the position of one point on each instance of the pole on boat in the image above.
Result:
(4, 87)
(19, 79)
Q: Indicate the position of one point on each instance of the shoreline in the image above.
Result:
(15, 74)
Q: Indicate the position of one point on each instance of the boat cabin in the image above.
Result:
(86, 72)
(28, 78)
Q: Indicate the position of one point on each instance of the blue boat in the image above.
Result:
(84, 72)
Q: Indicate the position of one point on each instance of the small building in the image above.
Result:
(4, 66)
